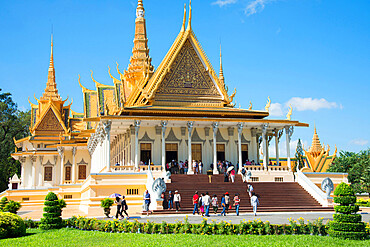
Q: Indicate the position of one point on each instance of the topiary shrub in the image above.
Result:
(11, 225)
(12, 207)
(53, 211)
(106, 204)
(3, 203)
(347, 223)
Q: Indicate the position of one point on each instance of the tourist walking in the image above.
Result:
(195, 202)
(227, 201)
(250, 189)
(200, 167)
(244, 175)
(170, 200)
(124, 207)
(254, 203)
(119, 207)
(164, 202)
(207, 203)
(146, 202)
(223, 205)
(232, 175)
(177, 200)
(237, 203)
(215, 204)
(201, 204)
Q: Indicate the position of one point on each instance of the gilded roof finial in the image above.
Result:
(51, 90)
(189, 21)
(267, 107)
(250, 105)
(140, 11)
(184, 20)
(289, 115)
(221, 69)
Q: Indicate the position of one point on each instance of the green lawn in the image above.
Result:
(72, 237)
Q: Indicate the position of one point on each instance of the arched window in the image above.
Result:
(48, 173)
(81, 172)
(68, 173)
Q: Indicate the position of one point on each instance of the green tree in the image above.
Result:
(299, 156)
(356, 165)
(365, 180)
(13, 124)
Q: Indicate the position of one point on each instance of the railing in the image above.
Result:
(278, 168)
(262, 168)
(122, 168)
(152, 167)
(312, 189)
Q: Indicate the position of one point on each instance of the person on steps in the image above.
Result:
(254, 203)
(147, 202)
(177, 200)
(207, 203)
(223, 205)
(170, 200)
(215, 203)
(237, 203)
(227, 201)
(195, 202)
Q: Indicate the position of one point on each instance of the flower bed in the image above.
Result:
(256, 227)
(363, 202)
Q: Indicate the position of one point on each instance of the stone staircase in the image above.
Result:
(274, 196)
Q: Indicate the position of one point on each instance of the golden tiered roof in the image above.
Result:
(316, 147)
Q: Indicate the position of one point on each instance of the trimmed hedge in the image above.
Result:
(350, 218)
(344, 189)
(256, 227)
(11, 225)
(345, 200)
(348, 227)
(347, 224)
(53, 211)
(346, 209)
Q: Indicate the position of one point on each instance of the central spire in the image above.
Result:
(140, 61)
(51, 91)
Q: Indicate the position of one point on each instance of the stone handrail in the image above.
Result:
(278, 168)
(152, 167)
(122, 168)
(312, 189)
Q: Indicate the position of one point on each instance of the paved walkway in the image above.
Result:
(274, 218)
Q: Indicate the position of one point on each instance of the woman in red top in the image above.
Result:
(237, 203)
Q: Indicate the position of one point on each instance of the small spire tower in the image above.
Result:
(140, 61)
(221, 75)
(51, 91)
(316, 147)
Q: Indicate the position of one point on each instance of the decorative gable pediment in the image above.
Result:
(50, 123)
(188, 76)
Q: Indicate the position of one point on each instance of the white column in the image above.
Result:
(54, 171)
(40, 182)
(61, 154)
(289, 133)
(33, 162)
(190, 160)
(276, 133)
(137, 127)
(240, 132)
(74, 150)
(215, 128)
(107, 127)
(23, 163)
(164, 126)
(264, 145)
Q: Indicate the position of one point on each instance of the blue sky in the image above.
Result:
(313, 54)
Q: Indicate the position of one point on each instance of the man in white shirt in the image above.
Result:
(207, 202)
(177, 199)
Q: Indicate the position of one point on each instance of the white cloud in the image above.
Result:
(222, 3)
(359, 142)
(255, 6)
(310, 104)
(276, 110)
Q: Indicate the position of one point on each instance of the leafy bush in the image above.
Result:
(344, 189)
(347, 224)
(346, 209)
(106, 203)
(345, 200)
(3, 203)
(53, 211)
(350, 218)
(256, 227)
(11, 225)
(31, 223)
(12, 207)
